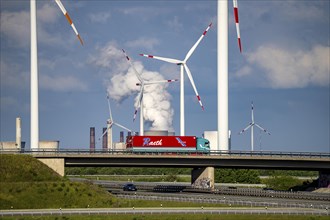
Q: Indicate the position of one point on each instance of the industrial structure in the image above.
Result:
(19, 145)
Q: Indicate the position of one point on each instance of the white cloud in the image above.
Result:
(244, 71)
(16, 26)
(143, 42)
(101, 17)
(170, 71)
(62, 83)
(145, 13)
(302, 10)
(48, 14)
(282, 68)
(12, 76)
(175, 23)
(109, 56)
(142, 12)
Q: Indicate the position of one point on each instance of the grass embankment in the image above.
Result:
(26, 183)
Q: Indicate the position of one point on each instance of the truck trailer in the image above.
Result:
(167, 144)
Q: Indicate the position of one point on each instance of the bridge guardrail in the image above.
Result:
(212, 153)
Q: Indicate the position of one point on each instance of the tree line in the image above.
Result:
(221, 175)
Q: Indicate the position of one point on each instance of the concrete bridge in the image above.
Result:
(202, 165)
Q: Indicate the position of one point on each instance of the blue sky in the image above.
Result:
(284, 69)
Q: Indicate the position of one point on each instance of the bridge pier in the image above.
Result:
(56, 164)
(324, 179)
(203, 178)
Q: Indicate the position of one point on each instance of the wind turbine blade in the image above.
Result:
(135, 113)
(60, 5)
(160, 81)
(140, 97)
(261, 128)
(108, 98)
(193, 85)
(123, 127)
(138, 75)
(245, 129)
(252, 115)
(169, 60)
(237, 25)
(191, 51)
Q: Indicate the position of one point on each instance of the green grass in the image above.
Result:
(172, 217)
(26, 183)
(64, 194)
(23, 168)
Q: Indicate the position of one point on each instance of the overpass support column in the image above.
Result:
(324, 179)
(55, 164)
(203, 178)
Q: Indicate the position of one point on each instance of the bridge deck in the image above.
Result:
(291, 161)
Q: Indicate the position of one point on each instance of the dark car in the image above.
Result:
(129, 187)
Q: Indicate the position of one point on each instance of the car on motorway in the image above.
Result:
(129, 187)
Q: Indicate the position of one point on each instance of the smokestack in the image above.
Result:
(18, 133)
(92, 139)
(104, 139)
(121, 137)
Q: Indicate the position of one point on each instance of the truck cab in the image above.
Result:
(203, 145)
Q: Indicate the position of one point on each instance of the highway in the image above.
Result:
(145, 211)
(249, 197)
(252, 202)
(167, 187)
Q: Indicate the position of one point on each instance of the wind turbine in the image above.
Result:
(110, 123)
(222, 75)
(34, 70)
(143, 83)
(251, 125)
(183, 65)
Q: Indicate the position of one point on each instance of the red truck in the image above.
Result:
(167, 144)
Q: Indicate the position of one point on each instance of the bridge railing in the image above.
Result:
(234, 153)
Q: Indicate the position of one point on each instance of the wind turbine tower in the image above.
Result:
(223, 143)
(34, 139)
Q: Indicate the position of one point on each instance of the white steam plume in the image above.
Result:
(121, 80)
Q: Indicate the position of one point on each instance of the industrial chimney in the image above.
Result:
(104, 140)
(121, 139)
(92, 139)
(18, 133)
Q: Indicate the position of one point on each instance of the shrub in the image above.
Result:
(282, 182)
